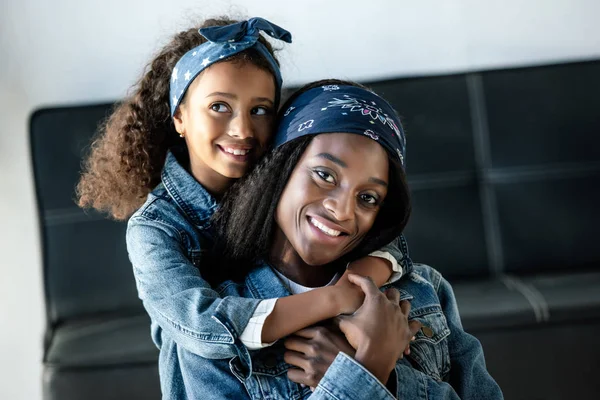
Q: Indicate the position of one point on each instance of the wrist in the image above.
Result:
(375, 363)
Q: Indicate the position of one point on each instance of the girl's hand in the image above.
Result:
(311, 351)
(349, 296)
(379, 330)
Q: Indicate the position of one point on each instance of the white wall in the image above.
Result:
(72, 51)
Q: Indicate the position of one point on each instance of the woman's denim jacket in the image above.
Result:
(197, 327)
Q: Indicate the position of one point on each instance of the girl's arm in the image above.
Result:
(194, 315)
(292, 313)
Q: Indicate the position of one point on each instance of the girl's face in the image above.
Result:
(226, 118)
(332, 197)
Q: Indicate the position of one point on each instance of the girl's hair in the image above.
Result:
(245, 222)
(127, 155)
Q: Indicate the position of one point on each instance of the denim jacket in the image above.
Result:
(445, 362)
(168, 241)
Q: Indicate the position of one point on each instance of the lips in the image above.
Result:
(238, 153)
(327, 227)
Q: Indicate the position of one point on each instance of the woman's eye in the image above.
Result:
(327, 177)
(260, 111)
(219, 107)
(369, 199)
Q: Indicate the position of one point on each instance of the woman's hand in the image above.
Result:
(311, 351)
(379, 330)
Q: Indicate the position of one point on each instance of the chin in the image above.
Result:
(320, 259)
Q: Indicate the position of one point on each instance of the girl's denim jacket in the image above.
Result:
(197, 327)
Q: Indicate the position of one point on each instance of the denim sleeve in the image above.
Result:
(468, 374)
(468, 377)
(346, 379)
(178, 299)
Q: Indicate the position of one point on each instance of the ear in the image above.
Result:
(179, 121)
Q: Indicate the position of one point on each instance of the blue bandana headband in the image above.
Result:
(346, 109)
(223, 42)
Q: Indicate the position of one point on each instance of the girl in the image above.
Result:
(339, 162)
(198, 119)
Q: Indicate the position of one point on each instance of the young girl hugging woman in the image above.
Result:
(201, 115)
(339, 162)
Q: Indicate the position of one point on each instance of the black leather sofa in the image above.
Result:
(504, 167)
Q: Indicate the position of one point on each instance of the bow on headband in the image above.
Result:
(224, 42)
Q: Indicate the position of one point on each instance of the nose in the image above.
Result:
(241, 126)
(340, 204)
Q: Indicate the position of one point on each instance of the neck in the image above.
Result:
(215, 183)
(286, 260)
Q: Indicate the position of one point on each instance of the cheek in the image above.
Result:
(263, 131)
(366, 221)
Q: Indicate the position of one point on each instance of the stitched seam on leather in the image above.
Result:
(483, 161)
(531, 294)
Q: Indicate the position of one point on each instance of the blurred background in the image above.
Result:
(68, 52)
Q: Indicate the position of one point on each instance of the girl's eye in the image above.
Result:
(260, 111)
(327, 177)
(369, 199)
(219, 107)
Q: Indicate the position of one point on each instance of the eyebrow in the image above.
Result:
(334, 159)
(234, 97)
(378, 181)
(342, 164)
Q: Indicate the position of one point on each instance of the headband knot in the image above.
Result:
(224, 42)
(245, 31)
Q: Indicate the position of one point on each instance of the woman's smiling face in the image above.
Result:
(332, 198)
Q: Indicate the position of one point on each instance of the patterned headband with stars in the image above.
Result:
(343, 108)
(223, 42)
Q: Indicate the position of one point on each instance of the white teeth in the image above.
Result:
(324, 229)
(237, 152)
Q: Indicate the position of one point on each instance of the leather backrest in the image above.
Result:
(86, 269)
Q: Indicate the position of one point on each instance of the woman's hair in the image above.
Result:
(245, 222)
(127, 155)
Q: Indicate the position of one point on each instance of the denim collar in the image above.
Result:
(189, 195)
(264, 283)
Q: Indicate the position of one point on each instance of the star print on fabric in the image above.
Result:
(232, 46)
(194, 53)
(288, 111)
(174, 99)
(187, 75)
(221, 56)
(205, 62)
(174, 75)
(306, 125)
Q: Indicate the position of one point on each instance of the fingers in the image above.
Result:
(299, 376)
(414, 327)
(393, 295)
(296, 359)
(296, 344)
(307, 333)
(405, 307)
(365, 283)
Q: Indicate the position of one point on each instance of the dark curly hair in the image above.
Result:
(127, 155)
(245, 221)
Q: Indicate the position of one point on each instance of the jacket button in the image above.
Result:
(427, 331)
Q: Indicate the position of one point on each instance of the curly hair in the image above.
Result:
(245, 221)
(126, 157)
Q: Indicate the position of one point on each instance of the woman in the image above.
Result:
(334, 189)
